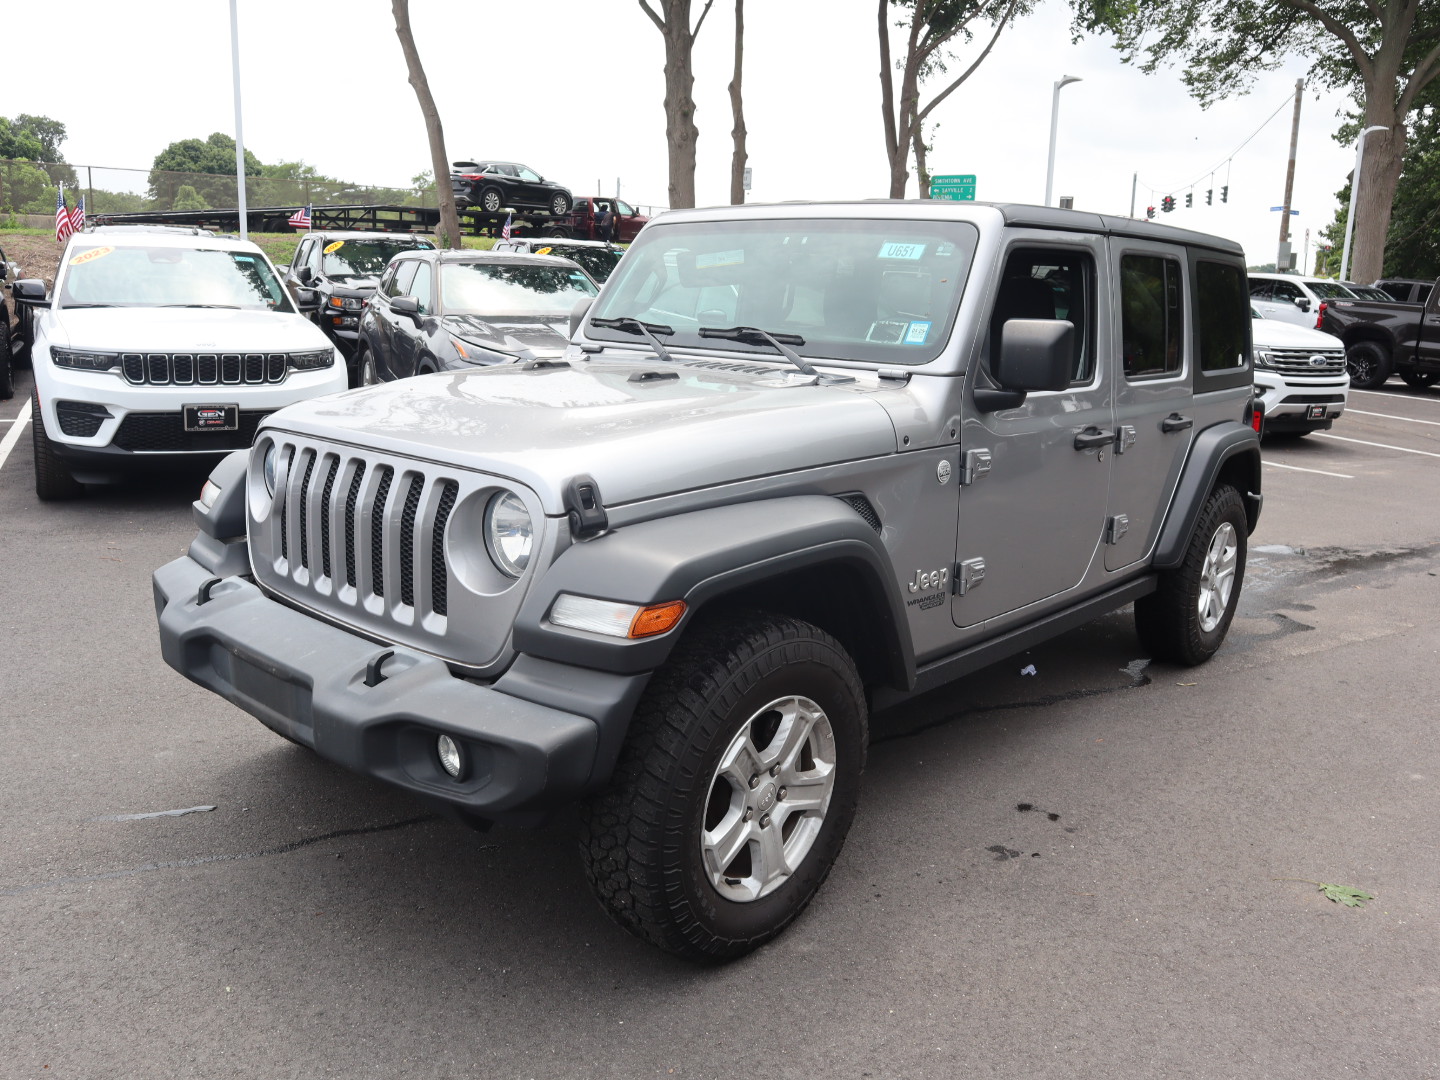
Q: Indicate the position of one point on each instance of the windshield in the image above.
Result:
(487, 289)
(105, 276)
(882, 291)
(599, 263)
(1329, 290)
(365, 258)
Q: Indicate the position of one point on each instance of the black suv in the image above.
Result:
(344, 268)
(493, 185)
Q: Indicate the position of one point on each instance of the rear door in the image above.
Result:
(1031, 522)
(1152, 377)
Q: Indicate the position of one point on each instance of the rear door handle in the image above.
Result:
(1092, 437)
(1176, 422)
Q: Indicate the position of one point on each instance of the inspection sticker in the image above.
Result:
(710, 260)
(894, 250)
(336, 246)
(917, 333)
(91, 255)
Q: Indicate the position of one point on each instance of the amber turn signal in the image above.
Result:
(656, 619)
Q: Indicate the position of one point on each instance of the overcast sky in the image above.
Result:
(573, 88)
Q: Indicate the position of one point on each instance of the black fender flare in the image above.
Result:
(703, 556)
(1213, 450)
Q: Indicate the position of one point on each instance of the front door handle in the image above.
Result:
(1092, 437)
(1176, 422)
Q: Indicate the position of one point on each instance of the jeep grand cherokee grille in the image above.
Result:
(204, 369)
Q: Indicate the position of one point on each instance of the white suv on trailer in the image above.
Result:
(156, 347)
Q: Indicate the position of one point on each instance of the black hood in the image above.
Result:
(512, 333)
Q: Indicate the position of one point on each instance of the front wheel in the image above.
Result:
(1186, 618)
(1419, 380)
(735, 790)
(368, 375)
(1368, 363)
(7, 373)
(52, 479)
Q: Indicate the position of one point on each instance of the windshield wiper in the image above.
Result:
(628, 325)
(753, 335)
(234, 307)
(72, 307)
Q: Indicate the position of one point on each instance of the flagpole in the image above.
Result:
(239, 131)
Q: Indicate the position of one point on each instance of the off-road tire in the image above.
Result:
(1419, 380)
(491, 200)
(1369, 364)
(640, 839)
(53, 481)
(1170, 622)
(559, 204)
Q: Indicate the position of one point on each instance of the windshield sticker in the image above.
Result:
(542, 251)
(91, 255)
(245, 258)
(711, 260)
(901, 251)
(917, 333)
(336, 246)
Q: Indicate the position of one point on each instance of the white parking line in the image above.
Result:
(13, 435)
(1317, 472)
(1381, 445)
(1390, 416)
(1398, 394)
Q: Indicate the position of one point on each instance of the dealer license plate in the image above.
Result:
(212, 417)
(1315, 412)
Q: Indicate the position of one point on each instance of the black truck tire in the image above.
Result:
(1419, 380)
(735, 789)
(7, 371)
(1369, 364)
(53, 481)
(1185, 620)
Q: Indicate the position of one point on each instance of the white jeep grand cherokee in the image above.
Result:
(158, 347)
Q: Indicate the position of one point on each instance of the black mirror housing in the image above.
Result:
(304, 275)
(29, 291)
(307, 300)
(1303, 303)
(1035, 354)
(406, 305)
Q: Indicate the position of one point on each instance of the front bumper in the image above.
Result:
(1297, 404)
(307, 680)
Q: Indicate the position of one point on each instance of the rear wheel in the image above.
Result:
(735, 790)
(1368, 363)
(52, 479)
(1419, 380)
(1186, 618)
(491, 200)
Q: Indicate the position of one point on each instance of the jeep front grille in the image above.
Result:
(1297, 361)
(204, 369)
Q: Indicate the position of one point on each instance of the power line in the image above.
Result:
(1228, 157)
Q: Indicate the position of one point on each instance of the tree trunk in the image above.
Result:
(681, 134)
(922, 167)
(449, 234)
(737, 109)
(1379, 177)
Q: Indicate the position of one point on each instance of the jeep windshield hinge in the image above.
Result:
(968, 574)
(976, 464)
(584, 508)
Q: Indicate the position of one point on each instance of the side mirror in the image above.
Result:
(307, 300)
(1035, 354)
(29, 291)
(1303, 303)
(577, 315)
(406, 305)
(305, 275)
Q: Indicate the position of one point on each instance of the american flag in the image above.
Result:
(301, 218)
(505, 232)
(64, 225)
(77, 216)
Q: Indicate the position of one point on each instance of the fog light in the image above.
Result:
(448, 751)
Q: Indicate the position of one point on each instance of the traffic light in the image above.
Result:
(1189, 199)
(1167, 203)
(1225, 193)
(1150, 213)
(1210, 197)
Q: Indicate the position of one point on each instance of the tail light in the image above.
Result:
(1320, 313)
(470, 176)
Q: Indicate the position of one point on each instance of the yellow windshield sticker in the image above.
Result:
(542, 251)
(91, 255)
(336, 246)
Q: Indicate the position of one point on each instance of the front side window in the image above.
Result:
(1048, 283)
(420, 288)
(404, 274)
(624, 208)
(1150, 316)
(868, 290)
(492, 290)
(528, 176)
(1261, 289)
(104, 276)
(1221, 310)
(1283, 290)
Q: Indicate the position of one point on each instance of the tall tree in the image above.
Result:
(1384, 51)
(439, 162)
(206, 165)
(737, 110)
(930, 27)
(681, 134)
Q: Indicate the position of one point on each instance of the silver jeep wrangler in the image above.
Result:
(799, 463)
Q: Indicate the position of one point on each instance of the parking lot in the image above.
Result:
(1104, 868)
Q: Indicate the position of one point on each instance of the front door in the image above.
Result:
(1036, 476)
(1152, 376)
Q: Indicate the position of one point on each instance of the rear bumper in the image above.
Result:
(307, 680)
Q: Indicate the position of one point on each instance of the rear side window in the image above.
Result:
(1222, 315)
(1151, 316)
(1049, 283)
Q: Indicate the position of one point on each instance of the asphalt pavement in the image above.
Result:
(1109, 868)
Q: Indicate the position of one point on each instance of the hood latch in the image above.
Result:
(585, 508)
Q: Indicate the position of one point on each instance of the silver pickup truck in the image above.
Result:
(799, 463)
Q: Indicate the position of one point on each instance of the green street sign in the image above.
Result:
(963, 179)
(958, 187)
(953, 194)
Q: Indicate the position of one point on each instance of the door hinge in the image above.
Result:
(968, 574)
(976, 464)
(1124, 438)
(1116, 528)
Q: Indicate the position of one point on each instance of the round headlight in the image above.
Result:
(272, 462)
(509, 533)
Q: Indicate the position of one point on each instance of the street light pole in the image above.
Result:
(1355, 186)
(239, 131)
(1054, 122)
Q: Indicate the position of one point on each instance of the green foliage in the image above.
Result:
(1344, 894)
(187, 198)
(214, 155)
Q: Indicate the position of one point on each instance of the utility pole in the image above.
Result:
(1134, 180)
(239, 131)
(1282, 257)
